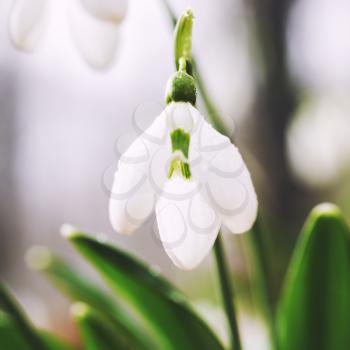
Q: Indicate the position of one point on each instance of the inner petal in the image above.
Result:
(187, 224)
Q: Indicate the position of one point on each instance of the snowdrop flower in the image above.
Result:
(189, 174)
(94, 24)
(183, 169)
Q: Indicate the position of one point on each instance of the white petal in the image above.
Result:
(182, 115)
(134, 189)
(27, 23)
(188, 226)
(227, 180)
(96, 40)
(108, 10)
(210, 140)
(132, 199)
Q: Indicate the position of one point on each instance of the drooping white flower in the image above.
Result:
(27, 23)
(191, 176)
(94, 24)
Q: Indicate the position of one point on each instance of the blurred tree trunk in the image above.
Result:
(274, 107)
(275, 103)
(8, 233)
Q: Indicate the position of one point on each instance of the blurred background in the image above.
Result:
(277, 71)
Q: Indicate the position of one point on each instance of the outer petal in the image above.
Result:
(132, 200)
(108, 10)
(96, 40)
(27, 23)
(133, 193)
(226, 179)
(188, 226)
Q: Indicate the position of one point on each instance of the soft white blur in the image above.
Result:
(318, 139)
(319, 43)
(27, 23)
(319, 55)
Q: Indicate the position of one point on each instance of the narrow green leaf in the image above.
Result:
(11, 337)
(183, 40)
(77, 287)
(314, 312)
(9, 305)
(172, 323)
(97, 332)
(53, 342)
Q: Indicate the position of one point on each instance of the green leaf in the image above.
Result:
(9, 305)
(172, 323)
(183, 40)
(97, 332)
(314, 311)
(53, 342)
(11, 337)
(77, 287)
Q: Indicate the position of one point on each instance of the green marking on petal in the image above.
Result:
(179, 166)
(185, 170)
(180, 141)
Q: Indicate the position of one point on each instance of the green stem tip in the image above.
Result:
(227, 293)
(183, 40)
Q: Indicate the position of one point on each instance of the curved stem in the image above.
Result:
(213, 114)
(257, 248)
(227, 293)
(260, 276)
